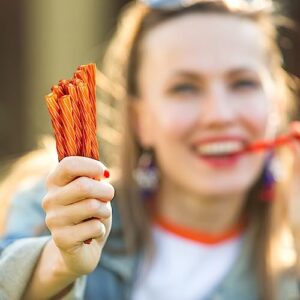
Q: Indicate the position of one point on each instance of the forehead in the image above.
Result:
(208, 42)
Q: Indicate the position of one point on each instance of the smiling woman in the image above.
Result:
(193, 96)
(197, 103)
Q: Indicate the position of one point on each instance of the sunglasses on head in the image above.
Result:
(175, 4)
(167, 4)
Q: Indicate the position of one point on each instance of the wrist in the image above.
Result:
(58, 267)
(51, 277)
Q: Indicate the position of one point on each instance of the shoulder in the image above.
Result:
(25, 216)
(29, 196)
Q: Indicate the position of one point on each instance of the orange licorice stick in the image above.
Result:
(58, 90)
(294, 134)
(81, 75)
(86, 115)
(68, 125)
(63, 83)
(90, 70)
(76, 108)
(90, 74)
(54, 111)
(87, 73)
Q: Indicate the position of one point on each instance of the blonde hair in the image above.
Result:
(121, 63)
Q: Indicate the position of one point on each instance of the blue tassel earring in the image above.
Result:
(268, 178)
(146, 175)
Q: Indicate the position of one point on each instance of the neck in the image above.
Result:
(210, 214)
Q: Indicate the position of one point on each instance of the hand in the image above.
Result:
(76, 194)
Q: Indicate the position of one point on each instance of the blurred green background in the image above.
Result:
(44, 41)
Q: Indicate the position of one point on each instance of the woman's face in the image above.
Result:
(205, 93)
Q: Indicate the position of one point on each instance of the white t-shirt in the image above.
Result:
(184, 269)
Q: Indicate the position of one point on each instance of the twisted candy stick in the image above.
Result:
(57, 90)
(294, 134)
(68, 125)
(87, 74)
(76, 108)
(54, 111)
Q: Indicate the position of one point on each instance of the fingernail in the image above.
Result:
(106, 174)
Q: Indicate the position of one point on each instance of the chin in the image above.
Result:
(223, 189)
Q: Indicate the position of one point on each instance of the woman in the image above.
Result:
(199, 82)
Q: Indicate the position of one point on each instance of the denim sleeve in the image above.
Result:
(26, 217)
(17, 263)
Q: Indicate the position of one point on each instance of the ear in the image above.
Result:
(141, 122)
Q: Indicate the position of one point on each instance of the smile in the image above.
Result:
(220, 148)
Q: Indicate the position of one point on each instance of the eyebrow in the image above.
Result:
(193, 75)
(238, 71)
(188, 74)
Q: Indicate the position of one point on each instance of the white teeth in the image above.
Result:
(219, 148)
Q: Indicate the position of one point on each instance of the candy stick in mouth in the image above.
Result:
(294, 134)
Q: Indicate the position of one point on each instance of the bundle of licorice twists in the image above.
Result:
(72, 109)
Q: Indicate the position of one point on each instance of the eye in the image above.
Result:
(184, 88)
(245, 84)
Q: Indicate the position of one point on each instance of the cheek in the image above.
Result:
(175, 119)
(256, 115)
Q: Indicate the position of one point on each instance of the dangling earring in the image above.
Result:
(146, 174)
(268, 179)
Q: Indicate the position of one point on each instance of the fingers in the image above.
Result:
(69, 237)
(77, 203)
(75, 166)
(76, 213)
(79, 189)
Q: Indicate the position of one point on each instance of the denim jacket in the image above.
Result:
(115, 274)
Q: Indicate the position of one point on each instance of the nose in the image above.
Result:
(217, 110)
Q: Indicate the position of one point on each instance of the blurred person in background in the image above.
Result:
(196, 82)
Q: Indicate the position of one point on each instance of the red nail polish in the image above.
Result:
(106, 174)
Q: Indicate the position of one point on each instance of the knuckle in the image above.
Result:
(46, 202)
(96, 226)
(106, 191)
(97, 167)
(49, 180)
(68, 164)
(111, 191)
(51, 177)
(107, 211)
(83, 185)
(51, 220)
(99, 228)
(93, 205)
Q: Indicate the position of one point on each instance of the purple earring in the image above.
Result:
(268, 179)
(146, 175)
